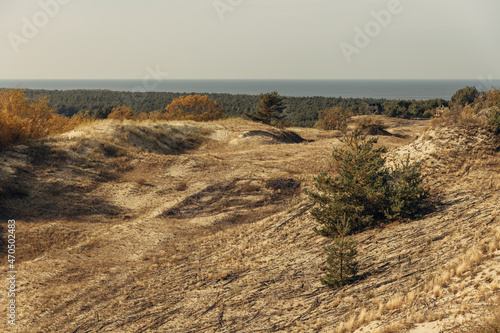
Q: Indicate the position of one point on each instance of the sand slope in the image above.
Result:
(172, 227)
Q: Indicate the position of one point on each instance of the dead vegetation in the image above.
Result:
(22, 120)
(190, 227)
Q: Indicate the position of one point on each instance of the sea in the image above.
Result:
(375, 89)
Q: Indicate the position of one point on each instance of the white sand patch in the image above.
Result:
(426, 328)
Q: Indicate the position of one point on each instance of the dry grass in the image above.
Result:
(391, 328)
(494, 286)
(395, 302)
(233, 254)
(460, 116)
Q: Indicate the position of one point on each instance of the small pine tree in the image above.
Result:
(359, 191)
(342, 265)
(367, 192)
(271, 109)
(406, 191)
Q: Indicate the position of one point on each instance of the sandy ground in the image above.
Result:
(172, 227)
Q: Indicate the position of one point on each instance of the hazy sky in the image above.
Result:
(250, 39)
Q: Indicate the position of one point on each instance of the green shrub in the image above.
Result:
(360, 191)
(365, 189)
(368, 193)
(494, 119)
(406, 190)
(341, 263)
(465, 96)
(271, 110)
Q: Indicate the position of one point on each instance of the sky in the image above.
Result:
(249, 39)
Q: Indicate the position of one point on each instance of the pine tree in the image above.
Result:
(368, 193)
(465, 96)
(342, 265)
(271, 109)
(407, 193)
(360, 190)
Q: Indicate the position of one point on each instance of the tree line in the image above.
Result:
(301, 111)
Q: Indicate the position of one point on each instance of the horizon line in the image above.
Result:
(357, 79)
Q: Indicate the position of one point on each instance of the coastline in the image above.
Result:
(380, 89)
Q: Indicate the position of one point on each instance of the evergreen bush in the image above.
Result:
(365, 193)
(494, 119)
(341, 263)
(270, 111)
(359, 191)
(465, 96)
(407, 192)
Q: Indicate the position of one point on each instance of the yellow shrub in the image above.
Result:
(194, 107)
(153, 116)
(334, 118)
(22, 120)
(122, 112)
(79, 119)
